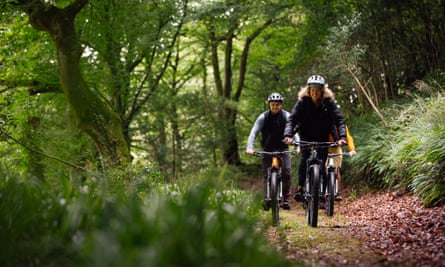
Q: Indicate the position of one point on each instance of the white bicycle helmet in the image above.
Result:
(315, 80)
(275, 97)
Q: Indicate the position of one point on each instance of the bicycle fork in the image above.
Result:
(331, 168)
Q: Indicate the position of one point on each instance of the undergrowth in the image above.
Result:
(130, 220)
(406, 154)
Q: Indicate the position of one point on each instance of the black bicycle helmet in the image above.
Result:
(276, 97)
(315, 81)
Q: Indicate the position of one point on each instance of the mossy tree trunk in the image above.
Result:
(93, 116)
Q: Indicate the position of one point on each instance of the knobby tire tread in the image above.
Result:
(314, 200)
(330, 194)
(274, 198)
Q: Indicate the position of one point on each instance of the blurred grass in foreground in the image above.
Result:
(142, 223)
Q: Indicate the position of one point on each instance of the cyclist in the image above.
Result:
(337, 150)
(271, 124)
(314, 113)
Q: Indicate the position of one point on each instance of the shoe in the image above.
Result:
(285, 205)
(338, 197)
(299, 195)
(266, 204)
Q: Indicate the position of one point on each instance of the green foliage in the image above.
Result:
(406, 154)
(105, 221)
(41, 136)
(30, 217)
(418, 154)
(27, 56)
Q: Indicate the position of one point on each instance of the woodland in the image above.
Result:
(123, 124)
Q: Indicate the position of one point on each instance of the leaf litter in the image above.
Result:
(376, 229)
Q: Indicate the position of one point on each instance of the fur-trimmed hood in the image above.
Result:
(327, 93)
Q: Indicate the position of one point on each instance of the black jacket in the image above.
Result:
(314, 123)
(272, 131)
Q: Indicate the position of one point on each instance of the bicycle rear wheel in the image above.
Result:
(274, 198)
(312, 209)
(330, 193)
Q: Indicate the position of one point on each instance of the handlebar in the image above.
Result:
(274, 153)
(315, 143)
(333, 155)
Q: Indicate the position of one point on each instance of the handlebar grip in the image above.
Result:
(256, 154)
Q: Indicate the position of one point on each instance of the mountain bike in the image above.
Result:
(315, 188)
(274, 186)
(332, 182)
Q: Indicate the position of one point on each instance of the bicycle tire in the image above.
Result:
(312, 209)
(330, 193)
(274, 195)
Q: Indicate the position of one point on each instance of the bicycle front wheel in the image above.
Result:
(274, 195)
(330, 194)
(312, 209)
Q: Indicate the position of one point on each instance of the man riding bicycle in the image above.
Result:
(271, 124)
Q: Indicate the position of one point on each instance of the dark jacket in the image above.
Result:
(272, 131)
(271, 127)
(315, 123)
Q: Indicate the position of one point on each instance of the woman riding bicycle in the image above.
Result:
(312, 117)
(271, 124)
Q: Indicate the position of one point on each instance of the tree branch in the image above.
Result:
(367, 97)
(76, 7)
(40, 152)
(245, 54)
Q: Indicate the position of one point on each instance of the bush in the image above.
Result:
(408, 154)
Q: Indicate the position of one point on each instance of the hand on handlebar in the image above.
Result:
(342, 142)
(287, 140)
(249, 151)
(298, 150)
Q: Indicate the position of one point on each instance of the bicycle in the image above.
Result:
(274, 182)
(315, 185)
(332, 182)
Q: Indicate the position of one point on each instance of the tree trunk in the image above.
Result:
(228, 109)
(93, 116)
(230, 138)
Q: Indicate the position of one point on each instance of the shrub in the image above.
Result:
(409, 153)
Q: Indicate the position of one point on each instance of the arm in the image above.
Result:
(338, 120)
(259, 123)
(297, 140)
(351, 144)
(292, 120)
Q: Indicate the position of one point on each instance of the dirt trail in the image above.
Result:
(382, 229)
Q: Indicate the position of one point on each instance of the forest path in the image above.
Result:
(377, 229)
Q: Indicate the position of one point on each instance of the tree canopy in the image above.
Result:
(167, 81)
